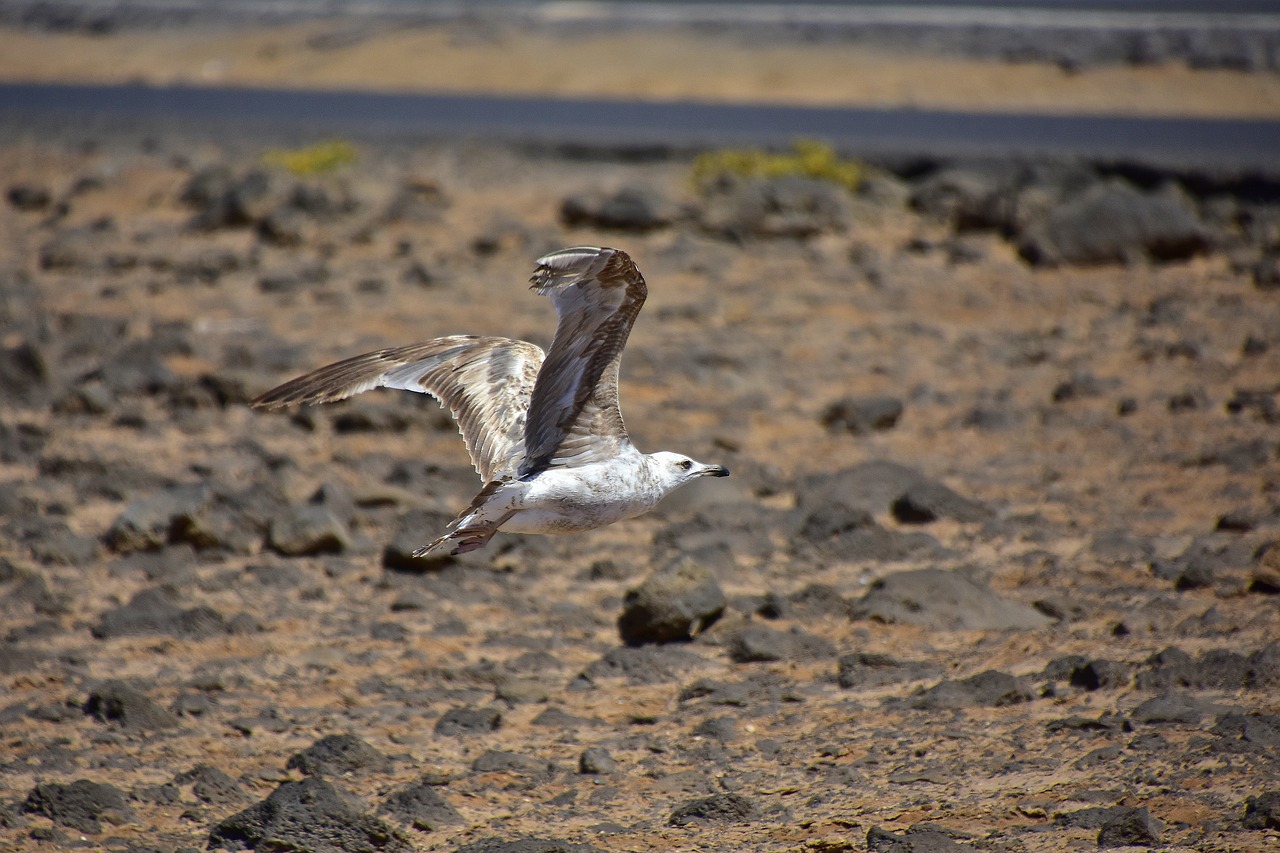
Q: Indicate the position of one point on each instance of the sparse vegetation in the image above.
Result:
(808, 158)
(312, 159)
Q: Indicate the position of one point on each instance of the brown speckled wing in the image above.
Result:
(485, 382)
(574, 417)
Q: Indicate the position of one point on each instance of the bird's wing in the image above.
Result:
(573, 414)
(485, 382)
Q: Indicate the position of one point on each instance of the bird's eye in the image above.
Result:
(685, 464)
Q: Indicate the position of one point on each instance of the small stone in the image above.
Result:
(419, 805)
(1130, 827)
(335, 755)
(862, 415)
(467, 721)
(673, 604)
(117, 702)
(308, 530)
(81, 805)
(1262, 812)
(307, 815)
(721, 808)
(596, 760)
(29, 197)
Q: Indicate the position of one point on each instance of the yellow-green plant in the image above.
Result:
(312, 159)
(808, 158)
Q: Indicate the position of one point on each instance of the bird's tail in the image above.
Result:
(460, 541)
(471, 530)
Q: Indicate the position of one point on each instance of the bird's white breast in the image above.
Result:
(569, 500)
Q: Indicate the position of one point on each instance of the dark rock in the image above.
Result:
(26, 375)
(929, 500)
(721, 808)
(1080, 386)
(1130, 827)
(1261, 404)
(307, 530)
(1265, 271)
(497, 761)
(868, 669)
(1101, 675)
(117, 702)
(812, 601)
(55, 544)
(869, 486)
(336, 755)
(1265, 572)
(417, 201)
(223, 200)
(1262, 812)
(1101, 755)
(419, 805)
(990, 689)
(138, 368)
(29, 198)
(862, 415)
(1260, 730)
(596, 760)
(957, 196)
(1115, 221)
(390, 631)
(1216, 669)
(1264, 667)
(285, 226)
(211, 785)
(309, 815)
(756, 643)
(207, 186)
(1171, 708)
(1241, 456)
(775, 207)
(852, 534)
(629, 209)
(914, 840)
(1090, 818)
(672, 604)
(20, 443)
(81, 805)
(75, 249)
(524, 845)
(558, 718)
(643, 665)
(467, 721)
(154, 611)
(948, 600)
(153, 521)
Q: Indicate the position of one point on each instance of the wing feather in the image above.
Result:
(574, 418)
(485, 383)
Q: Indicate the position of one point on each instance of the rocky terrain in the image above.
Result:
(997, 568)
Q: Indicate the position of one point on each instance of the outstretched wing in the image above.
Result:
(573, 415)
(485, 382)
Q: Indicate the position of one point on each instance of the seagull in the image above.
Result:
(543, 430)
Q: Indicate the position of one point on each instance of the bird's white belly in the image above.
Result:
(570, 500)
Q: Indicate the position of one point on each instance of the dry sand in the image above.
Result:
(1087, 410)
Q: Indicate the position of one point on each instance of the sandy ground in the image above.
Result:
(1090, 412)
(650, 65)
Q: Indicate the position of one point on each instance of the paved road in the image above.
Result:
(1179, 143)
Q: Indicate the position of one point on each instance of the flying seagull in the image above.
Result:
(543, 429)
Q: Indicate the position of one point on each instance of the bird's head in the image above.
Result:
(677, 469)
